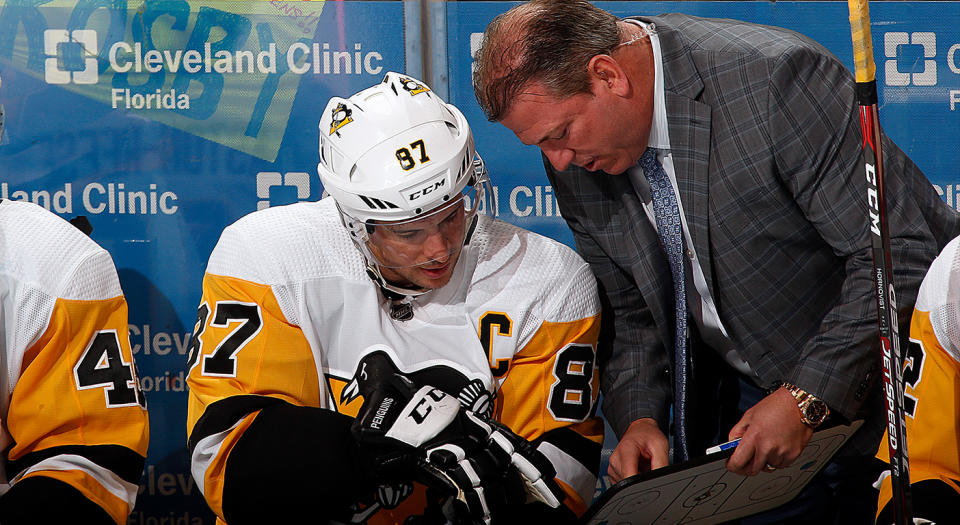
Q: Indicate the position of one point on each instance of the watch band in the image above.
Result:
(813, 410)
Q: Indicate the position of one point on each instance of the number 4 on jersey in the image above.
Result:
(102, 366)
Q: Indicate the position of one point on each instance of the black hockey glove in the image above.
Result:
(394, 421)
(425, 435)
(534, 468)
(484, 477)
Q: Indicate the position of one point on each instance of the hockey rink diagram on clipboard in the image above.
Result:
(703, 491)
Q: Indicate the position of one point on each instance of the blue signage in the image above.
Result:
(162, 122)
(166, 120)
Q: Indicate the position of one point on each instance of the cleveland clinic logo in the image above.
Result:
(277, 189)
(910, 58)
(71, 56)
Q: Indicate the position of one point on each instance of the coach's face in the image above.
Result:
(597, 131)
(606, 129)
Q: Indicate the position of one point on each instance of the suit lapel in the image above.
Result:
(610, 212)
(688, 121)
(640, 251)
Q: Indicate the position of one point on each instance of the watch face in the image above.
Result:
(815, 412)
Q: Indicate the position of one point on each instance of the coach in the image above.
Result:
(711, 172)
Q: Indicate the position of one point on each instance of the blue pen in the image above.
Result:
(724, 446)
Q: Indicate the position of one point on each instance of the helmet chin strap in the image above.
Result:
(401, 299)
(393, 291)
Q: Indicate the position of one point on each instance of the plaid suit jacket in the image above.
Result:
(765, 136)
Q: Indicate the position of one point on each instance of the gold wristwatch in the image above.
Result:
(813, 411)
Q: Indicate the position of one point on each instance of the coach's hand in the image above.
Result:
(771, 433)
(642, 448)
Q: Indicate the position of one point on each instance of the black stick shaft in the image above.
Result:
(883, 268)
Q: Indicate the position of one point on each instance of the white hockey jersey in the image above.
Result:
(70, 404)
(931, 377)
(288, 311)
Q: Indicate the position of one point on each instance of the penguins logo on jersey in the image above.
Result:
(412, 86)
(376, 367)
(340, 117)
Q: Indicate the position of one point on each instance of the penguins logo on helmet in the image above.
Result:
(413, 86)
(340, 117)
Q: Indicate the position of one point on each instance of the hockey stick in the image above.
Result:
(866, 86)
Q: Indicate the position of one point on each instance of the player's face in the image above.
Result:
(421, 253)
(597, 131)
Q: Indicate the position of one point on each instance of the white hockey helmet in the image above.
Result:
(396, 153)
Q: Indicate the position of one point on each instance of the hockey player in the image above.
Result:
(931, 378)
(389, 354)
(74, 423)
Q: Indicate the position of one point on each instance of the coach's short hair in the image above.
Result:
(546, 41)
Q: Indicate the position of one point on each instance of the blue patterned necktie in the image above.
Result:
(667, 214)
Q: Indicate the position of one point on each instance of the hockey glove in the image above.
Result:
(394, 422)
(464, 463)
(487, 474)
(534, 468)
(425, 435)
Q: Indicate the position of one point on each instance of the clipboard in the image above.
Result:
(703, 491)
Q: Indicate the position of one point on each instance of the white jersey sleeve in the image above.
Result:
(70, 399)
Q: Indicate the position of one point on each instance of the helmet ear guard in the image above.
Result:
(395, 153)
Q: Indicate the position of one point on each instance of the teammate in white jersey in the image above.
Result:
(389, 354)
(931, 377)
(73, 421)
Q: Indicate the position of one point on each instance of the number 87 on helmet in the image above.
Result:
(402, 167)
